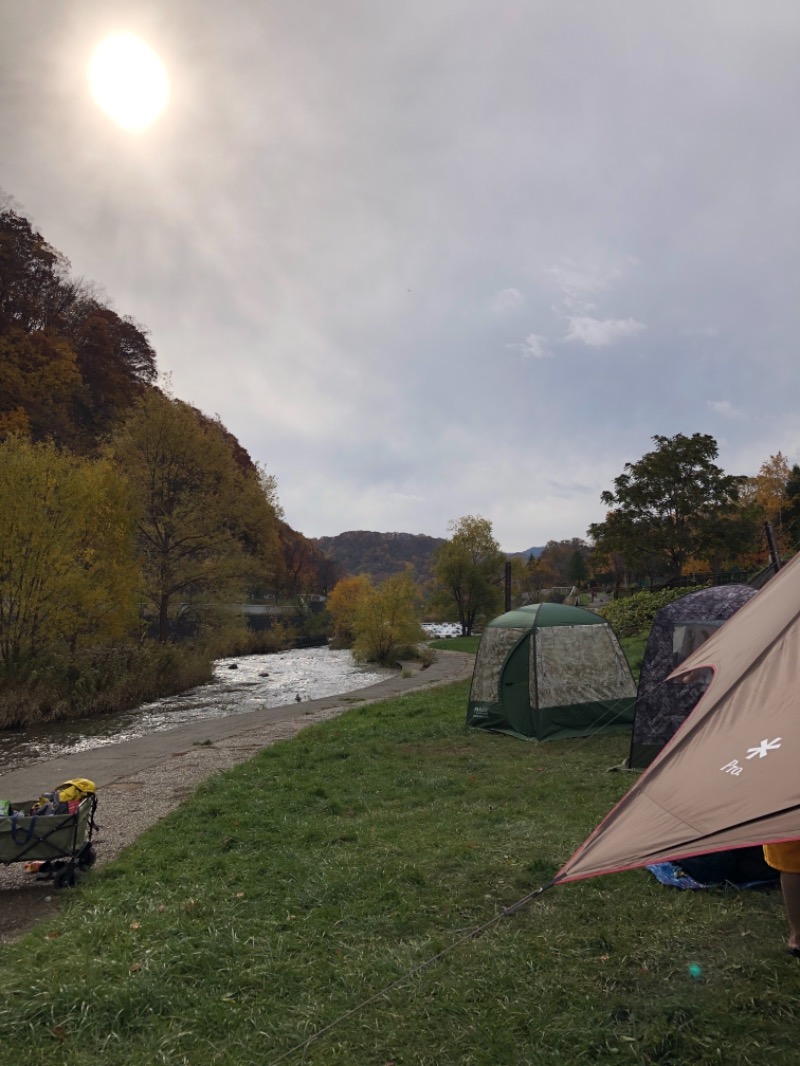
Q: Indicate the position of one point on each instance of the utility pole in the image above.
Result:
(773, 550)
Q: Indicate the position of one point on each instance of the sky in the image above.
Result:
(438, 258)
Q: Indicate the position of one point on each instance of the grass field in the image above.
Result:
(289, 892)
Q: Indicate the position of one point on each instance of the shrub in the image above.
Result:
(635, 614)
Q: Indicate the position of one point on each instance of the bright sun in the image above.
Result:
(128, 81)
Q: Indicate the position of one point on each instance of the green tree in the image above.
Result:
(386, 621)
(468, 570)
(578, 570)
(67, 575)
(669, 503)
(558, 556)
(206, 523)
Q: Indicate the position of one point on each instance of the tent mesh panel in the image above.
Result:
(579, 664)
(493, 651)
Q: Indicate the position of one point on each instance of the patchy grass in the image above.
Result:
(290, 891)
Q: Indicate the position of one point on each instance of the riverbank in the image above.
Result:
(141, 781)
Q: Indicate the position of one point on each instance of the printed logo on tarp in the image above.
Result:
(480, 712)
(761, 751)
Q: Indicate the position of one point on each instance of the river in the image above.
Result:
(239, 685)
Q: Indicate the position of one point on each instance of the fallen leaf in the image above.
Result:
(135, 967)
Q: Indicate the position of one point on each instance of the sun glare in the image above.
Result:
(128, 81)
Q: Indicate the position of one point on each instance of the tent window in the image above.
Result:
(579, 664)
(493, 651)
(687, 637)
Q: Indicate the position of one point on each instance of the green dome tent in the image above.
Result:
(548, 671)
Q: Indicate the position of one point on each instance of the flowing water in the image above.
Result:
(239, 685)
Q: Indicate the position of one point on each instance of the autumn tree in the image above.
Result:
(468, 570)
(206, 525)
(672, 503)
(114, 357)
(68, 580)
(343, 603)
(34, 277)
(769, 497)
(71, 366)
(41, 389)
(385, 622)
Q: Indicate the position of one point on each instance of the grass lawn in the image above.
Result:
(292, 889)
(468, 644)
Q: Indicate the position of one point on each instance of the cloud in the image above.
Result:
(601, 333)
(579, 282)
(507, 300)
(533, 347)
(724, 408)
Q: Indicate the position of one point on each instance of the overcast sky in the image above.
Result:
(442, 257)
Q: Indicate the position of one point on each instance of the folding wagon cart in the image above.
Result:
(60, 843)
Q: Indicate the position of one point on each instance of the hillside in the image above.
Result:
(379, 555)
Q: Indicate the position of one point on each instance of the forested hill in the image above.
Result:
(379, 555)
(72, 370)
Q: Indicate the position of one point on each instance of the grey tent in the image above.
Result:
(546, 671)
(678, 630)
(729, 777)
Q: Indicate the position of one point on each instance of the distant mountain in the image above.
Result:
(535, 552)
(379, 555)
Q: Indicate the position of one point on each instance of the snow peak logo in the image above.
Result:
(761, 751)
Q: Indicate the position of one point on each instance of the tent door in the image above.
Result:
(516, 689)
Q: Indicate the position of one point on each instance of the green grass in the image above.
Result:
(292, 889)
(633, 649)
(468, 644)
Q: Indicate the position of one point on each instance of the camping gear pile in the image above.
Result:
(53, 834)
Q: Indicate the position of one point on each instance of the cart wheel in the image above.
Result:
(66, 877)
(87, 856)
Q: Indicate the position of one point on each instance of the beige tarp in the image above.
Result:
(730, 777)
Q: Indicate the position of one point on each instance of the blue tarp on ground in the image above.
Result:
(669, 873)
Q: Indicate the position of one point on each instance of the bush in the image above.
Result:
(635, 614)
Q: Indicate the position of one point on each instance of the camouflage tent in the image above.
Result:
(547, 671)
(678, 629)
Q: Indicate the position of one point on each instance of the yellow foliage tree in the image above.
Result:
(343, 603)
(769, 495)
(67, 576)
(386, 621)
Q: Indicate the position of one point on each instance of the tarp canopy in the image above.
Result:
(730, 777)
